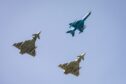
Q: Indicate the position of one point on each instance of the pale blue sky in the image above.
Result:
(103, 40)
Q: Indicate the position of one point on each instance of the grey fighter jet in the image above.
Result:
(78, 25)
(28, 46)
(73, 66)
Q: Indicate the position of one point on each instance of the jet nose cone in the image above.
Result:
(38, 35)
(82, 54)
(90, 12)
(39, 32)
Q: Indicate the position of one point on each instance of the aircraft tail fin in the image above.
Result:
(72, 32)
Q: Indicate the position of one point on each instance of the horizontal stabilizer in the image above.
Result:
(72, 32)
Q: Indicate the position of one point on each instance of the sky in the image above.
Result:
(103, 40)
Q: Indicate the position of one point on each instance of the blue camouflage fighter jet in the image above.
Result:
(78, 25)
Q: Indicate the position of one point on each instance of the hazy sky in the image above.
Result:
(104, 41)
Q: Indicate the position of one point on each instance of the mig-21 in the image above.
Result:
(73, 66)
(28, 46)
(78, 25)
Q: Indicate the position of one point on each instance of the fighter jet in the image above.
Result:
(73, 66)
(28, 46)
(78, 25)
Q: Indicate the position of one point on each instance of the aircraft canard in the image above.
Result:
(73, 66)
(78, 25)
(28, 46)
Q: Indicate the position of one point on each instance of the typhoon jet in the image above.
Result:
(28, 46)
(78, 25)
(73, 66)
